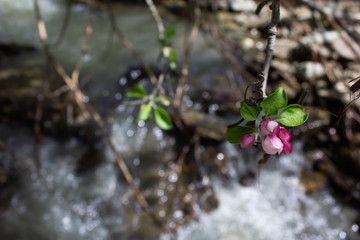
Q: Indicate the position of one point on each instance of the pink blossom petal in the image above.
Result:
(287, 147)
(269, 127)
(272, 144)
(284, 135)
(247, 141)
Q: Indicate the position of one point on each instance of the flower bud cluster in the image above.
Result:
(275, 139)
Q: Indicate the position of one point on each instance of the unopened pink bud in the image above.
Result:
(272, 144)
(284, 135)
(269, 127)
(287, 147)
(247, 141)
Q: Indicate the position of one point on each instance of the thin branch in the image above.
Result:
(185, 66)
(225, 48)
(261, 5)
(270, 45)
(130, 46)
(64, 25)
(155, 13)
(85, 79)
(88, 32)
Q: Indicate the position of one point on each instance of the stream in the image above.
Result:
(51, 197)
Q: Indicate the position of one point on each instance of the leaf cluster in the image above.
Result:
(290, 116)
(168, 51)
(162, 118)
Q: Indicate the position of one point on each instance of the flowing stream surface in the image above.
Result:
(58, 202)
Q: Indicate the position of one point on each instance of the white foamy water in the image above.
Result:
(276, 209)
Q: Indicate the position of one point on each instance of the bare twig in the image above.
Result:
(88, 32)
(155, 13)
(187, 47)
(90, 73)
(270, 45)
(64, 25)
(226, 49)
(130, 46)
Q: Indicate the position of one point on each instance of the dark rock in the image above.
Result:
(8, 50)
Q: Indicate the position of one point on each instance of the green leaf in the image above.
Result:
(173, 65)
(163, 100)
(145, 112)
(234, 135)
(170, 31)
(249, 112)
(273, 103)
(161, 41)
(293, 115)
(163, 119)
(172, 55)
(137, 91)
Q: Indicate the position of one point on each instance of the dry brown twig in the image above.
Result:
(159, 22)
(226, 49)
(187, 47)
(64, 25)
(130, 46)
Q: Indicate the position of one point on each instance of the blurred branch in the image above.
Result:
(130, 46)
(187, 47)
(107, 49)
(64, 25)
(270, 44)
(88, 32)
(155, 13)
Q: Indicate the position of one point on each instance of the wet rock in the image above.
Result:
(348, 51)
(310, 70)
(312, 180)
(349, 185)
(303, 13)
(284, 48)
(242, 5)
(320, 38)
(208, 126)
(318, 118)
(13, 49)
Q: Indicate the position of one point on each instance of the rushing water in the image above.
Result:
(276, 208)
(52, 200)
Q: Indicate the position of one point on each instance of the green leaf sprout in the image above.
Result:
(293, 115)
(249, 112)
(273, 103)
(163, 119)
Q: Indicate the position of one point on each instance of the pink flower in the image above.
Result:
(247, 141)
(272, 144)
(287, 147)
(269, 127)
(284, 135)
